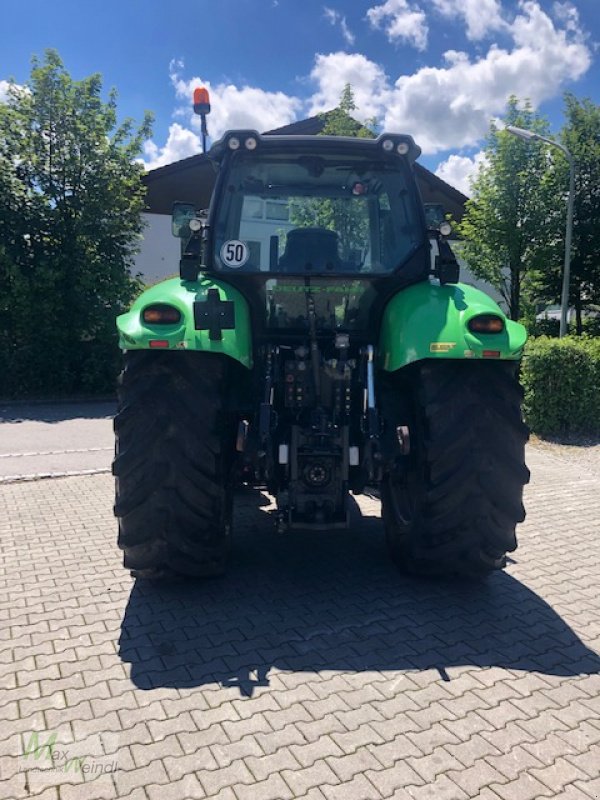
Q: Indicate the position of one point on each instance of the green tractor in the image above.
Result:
(318, 343)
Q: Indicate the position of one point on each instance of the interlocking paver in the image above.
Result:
(347, 766)
(144, 776)
(313, 670)
(393, 779)
(582, 737)
(130, 714)
(525, 787)
(224, 754)
(477, 777)
(549, 749)
(442, 789)
(199, 761)
(572, 793)
(307, 754)
(587, 762)
(351, 741)
(216, 779)
(359, 788)
(144, 754)
(430, 767)
(558, 775)
(273, 788)
(591, 788)
(435, 736)
(271, 742)
(214, 736)
(468, 725)
(189, 787)
(317, 775)
(512, 764)
(224, 794)
(264, 766)
(312, 731)
(98, 789)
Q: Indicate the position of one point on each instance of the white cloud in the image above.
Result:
(481, 16)
(459, 171)
(180, 143)
(450, 106)
(236, 107)
(231, 107)
(443, 107)
(401, 21)
(17, 87)
(335, 18)
(347, 33)
(332, 72)
(568, 15)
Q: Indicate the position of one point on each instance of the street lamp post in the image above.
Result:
(530, 136)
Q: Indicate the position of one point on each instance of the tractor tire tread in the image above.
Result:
(172, 464)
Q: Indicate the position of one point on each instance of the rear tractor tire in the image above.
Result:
(451, 506)
(173, 463)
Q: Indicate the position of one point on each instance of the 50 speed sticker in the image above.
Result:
(234, 253)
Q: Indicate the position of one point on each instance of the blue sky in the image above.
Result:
(438, 69)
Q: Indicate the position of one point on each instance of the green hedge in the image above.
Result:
(561, 378)
(551, 327)
(58, 369)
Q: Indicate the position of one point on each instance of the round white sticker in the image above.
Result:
(234, 253)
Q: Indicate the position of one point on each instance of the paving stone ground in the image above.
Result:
(312, 671)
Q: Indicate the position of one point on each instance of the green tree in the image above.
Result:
(71, 198)
(510, 226)
(339, 121)
(581, 135)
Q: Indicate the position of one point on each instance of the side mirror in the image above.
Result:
(448, 272)
(180, 220)
(434, 214)
(447, 268)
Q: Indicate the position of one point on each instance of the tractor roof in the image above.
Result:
(385, 145)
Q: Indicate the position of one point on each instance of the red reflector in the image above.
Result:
(491, 354)
(161, 314)
(486, 323)
(158, 343)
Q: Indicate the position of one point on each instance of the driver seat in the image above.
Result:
(308, 249)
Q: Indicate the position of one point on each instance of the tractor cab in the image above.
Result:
(291, 216)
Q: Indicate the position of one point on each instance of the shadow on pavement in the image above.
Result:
(573, 440)
(56, 412)
(312, 602)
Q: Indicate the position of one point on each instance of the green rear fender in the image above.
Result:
(135, 334)
(430, 321)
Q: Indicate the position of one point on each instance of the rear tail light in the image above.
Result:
(161, 315)
(486, 323)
